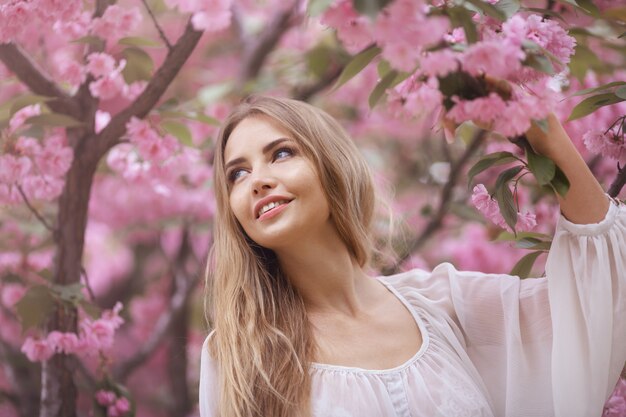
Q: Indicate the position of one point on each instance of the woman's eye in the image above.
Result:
(235, 174)
(282, 153)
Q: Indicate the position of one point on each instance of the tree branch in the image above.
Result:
(444, 201)
(175, 59)
(618, 182)
(256, 51)
(184, 284)
(34, 210)
(34, 77)
(306, 92)
(157, 26)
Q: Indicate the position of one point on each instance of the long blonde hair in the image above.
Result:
(263, 343)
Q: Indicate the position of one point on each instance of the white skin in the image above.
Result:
(303, 235)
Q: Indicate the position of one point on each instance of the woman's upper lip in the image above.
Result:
(266, 200)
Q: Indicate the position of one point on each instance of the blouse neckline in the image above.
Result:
(409, 362)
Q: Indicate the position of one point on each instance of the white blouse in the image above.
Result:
(495, 345)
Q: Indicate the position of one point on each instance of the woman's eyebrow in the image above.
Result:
(265, 149)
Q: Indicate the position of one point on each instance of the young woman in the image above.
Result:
(300, 329)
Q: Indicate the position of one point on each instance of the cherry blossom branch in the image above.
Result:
(306, 92)
(10, 397)
(436, 221)
(162, 78)
(184, 284)
(35, 78)
(83, 272)
(157, 26)
(34, 210)
(257, 50)
(618, 182)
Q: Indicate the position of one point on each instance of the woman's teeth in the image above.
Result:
(270, 206)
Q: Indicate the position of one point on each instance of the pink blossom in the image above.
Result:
(105, 398)
(132, 91)
(488, 207)
(14, 17)
(483, 109)
(107, 87)
(607, 143)
(55, 159)
(353, 30)
(28, 146)
(439, 63)
(139, 130)
(74, 28)
(158, 149)
(616, 404)
(456, 36)
(401, 55)
(72, 72)
(100, 64)
(211, 20)
(14, 168)
(117, 22)
(22, 115)
(121, 157)
(42, 187)
(67, 343)
(494, 57)
(102, 119)
(37, 350)
(96, 335)
(11, 294)
(185, 6)
(122, 406)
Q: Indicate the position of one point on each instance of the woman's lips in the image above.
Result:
(273, 212)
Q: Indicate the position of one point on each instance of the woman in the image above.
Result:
(301, 329)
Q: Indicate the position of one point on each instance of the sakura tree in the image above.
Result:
(108, 112)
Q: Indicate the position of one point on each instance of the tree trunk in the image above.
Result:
(58, 390)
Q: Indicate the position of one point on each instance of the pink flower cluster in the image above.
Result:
(353, 30)
(488, 207)
(15, 15)
(116, 22)
(152, 146)
(616, 404)
(510, 118)
(95, 336)
(210, 15)
(38, 168)
(116, 406)
(608, 143)
(108, 77)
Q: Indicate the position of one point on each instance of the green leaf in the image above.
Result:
(533, 243)
(317, 7)
(540, 63)
(506, 204)
(508, 7)
(357, 64)
(505, 235)
(543, 168)
(95, 41)
(35, 307)
(139, 65)
(178, 129)
(591, 104)
(26, 100)
(370, 7)
(383, 68)
(524, 266)
(603, 88)
(71, 293)
(621, 92)
(53, 120)
(93, 310)
(318, 60)
(588, 6)
(560, 184)
(213, 93)
(140, 42)
(381, 87)
(507, 175)
(461, 17)
(488, 9)
(487, 161)
(583, 60)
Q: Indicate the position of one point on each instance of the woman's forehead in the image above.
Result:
(251, 133)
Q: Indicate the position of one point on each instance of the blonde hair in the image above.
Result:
(263, 343)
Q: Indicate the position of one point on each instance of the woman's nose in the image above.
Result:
(262, 182)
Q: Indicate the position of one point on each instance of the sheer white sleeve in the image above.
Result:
(208, 391)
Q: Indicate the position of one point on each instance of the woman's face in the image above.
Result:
(274, 190)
